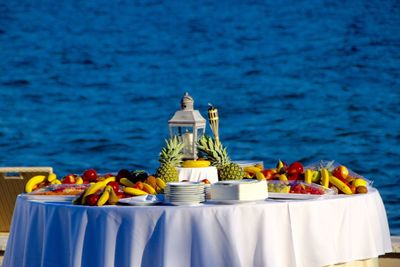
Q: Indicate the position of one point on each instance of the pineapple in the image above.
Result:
(218, 156)
(170, 158)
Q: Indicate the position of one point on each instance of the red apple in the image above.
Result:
(295, 167)
(92, 199)
(69, 179)
(206, 181)
(293, 176)
(114, 185)
(90, 175)
(341, 172)
(269, 174)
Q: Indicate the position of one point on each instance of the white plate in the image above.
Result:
(185, 184)
(185, 199)
(294, 196)
(50, 198)
(140, 201)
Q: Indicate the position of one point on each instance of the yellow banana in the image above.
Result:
(359, 182)
(252, 170)
(113, 196)
(160, 183)
(316, 177)
(260, 167)
(195, 163)
(35, 180)
(325, 177)
(340, 185)
(103, 198)
(79, 180)
(149, 189)
(56, 181)
(93, 189)
(308, 176)
(283, 177)
(52, 176)
(108, 179)
(159, 190)
(260, 176)
(126, 182)
(134, 191)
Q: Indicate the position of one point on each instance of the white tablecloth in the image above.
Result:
(198, 174)
(267, 233)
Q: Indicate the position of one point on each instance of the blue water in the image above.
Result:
(93, 83)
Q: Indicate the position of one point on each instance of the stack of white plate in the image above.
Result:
(184, 193)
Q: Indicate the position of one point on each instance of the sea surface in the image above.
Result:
(92, 84)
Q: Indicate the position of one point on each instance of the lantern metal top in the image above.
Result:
(187, 115)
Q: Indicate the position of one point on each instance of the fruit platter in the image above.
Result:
(297, 190)
(58, 192)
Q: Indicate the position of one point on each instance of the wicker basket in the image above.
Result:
(12, 183)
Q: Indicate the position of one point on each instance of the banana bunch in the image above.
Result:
(93, 189)
(344, 183)
(254, 171)
(196, 163)
(40, 181)
(108, 197)
(151, 186)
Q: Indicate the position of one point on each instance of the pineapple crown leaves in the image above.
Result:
(217, 154)
(172, 152)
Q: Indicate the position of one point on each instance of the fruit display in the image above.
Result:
(217, 154)
(60, 190)
(170, 158)
(328, 174)
(109, 190)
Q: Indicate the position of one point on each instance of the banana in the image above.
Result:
(159, 190)
(316, 177)
(260, 176)
(340, 185)
(113, 196)
(160, 183)
(109, 179)
(79, 180)
(325, 177)
(151, 180)
(359, 182)
(259, 166)
(126, 182)
(51, 177)
(93, 189)
(103, 198)
(280, 166)
(56, 181)
(149, 189)
(134, 191)
(283, 177)
(195, 163)
(252, 170)
(308, 176)
(35, 180)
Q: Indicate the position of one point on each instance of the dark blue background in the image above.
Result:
(93, 83)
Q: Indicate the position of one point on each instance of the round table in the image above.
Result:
(306, 233)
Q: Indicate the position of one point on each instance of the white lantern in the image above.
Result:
(188, 125)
